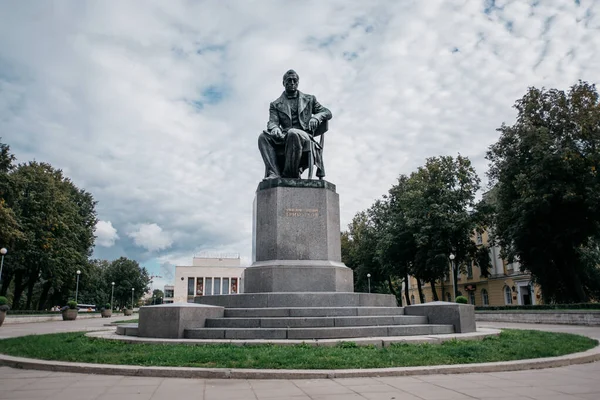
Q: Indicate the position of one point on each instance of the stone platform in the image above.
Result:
(280, 322)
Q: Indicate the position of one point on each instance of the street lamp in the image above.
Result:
(132, 290)
(3, 251)
(112, 293)
(452, 256)
(77, 287)
(369, 281)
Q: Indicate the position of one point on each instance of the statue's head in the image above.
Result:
(290, 81)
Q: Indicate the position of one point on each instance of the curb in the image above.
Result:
(588, 356)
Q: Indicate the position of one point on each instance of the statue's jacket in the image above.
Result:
(280, 114)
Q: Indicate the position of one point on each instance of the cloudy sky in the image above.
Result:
(155, 106)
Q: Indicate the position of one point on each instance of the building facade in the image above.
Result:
(506, 284)
(206, 276)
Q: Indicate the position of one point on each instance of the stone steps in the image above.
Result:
(312, 312)
(314, 322)
(127, 329)
(317, 333)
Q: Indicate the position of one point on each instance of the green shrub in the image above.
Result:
(72, 304)
(107, 306)
(3, 301)
(462, 300)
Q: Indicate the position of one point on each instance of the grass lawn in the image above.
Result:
(510, 345)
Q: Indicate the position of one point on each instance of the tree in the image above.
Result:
(127, 274)
(157, 296)
(545, 171)
(438, 204)
(57, 221)
(10, 229)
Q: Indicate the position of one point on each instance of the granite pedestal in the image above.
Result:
(296, 239)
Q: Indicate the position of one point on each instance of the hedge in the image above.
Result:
(575, 306)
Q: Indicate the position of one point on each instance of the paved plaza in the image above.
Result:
(565, 383)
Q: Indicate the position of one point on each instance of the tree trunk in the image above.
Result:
(30, 285)
(443, 287)
(455, 279)
(434, 291)
(19, 287)
(6, 280)
(45, 289)
(393, 291)
(406, 292)
(421, 297)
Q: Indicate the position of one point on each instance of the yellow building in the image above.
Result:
(506, 285)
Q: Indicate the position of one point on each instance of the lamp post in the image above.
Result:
(77, 287)
(132, 290)
(112, 294)
(452, 256)
(369, 281)
(3, 251)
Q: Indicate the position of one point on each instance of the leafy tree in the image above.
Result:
(157, 296)
(438, 202)
(57, 221)
(10, 229)
(545, 171)
(127, 274)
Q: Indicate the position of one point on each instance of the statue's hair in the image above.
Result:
(289, 72)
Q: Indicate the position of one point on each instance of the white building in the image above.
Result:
(207, 276)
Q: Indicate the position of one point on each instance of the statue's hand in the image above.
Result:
(276, 132)
(313, 124)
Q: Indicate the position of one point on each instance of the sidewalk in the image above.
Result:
(575, 382)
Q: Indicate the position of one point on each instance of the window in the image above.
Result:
(208, 288)
(448, 297)
(190, 291)
(199, 286)
(479, 238)
(412, 299)
(470, 271)
(507, 295)
(169, 293)
(217, 286)
(485, 298)
(472, 298)
(225, 286)
(234, 285)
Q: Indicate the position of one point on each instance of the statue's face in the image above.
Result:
(291, 83)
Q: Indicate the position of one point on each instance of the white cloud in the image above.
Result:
(151, 237)
(106, 235)
(156, 109)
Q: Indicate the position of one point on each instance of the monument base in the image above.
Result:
(298, 276)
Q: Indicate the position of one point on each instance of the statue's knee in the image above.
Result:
(262, 138)
(293, 134)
